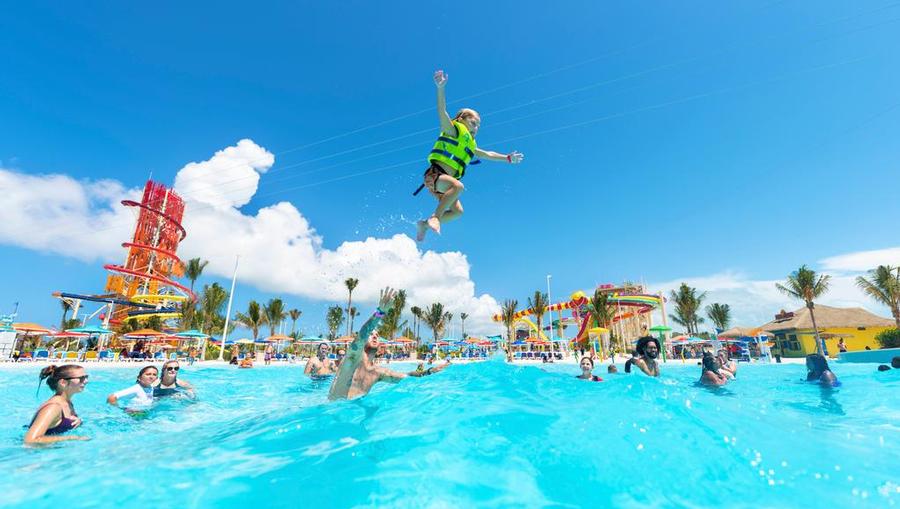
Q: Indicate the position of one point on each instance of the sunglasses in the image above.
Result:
(176, 368)
(81, 379)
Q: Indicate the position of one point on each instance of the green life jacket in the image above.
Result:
(455, 152)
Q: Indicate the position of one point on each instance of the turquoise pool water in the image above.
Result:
(486, 435)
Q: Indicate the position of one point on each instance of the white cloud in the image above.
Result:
(280, 251)
(862, 260)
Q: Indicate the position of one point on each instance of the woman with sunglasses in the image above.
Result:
(140, 394)
(170, 385)
(57, 414)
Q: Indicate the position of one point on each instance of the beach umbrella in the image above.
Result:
(91, 330)
(31, 329)
(145, 334)
(403, 339)
(343, 339)
(243, 341)
(191, 334)
(278, 337)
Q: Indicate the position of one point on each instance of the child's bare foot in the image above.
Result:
(435, 224)
(421, 229)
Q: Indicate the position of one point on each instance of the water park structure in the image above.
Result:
(631, 318)
(143, 285)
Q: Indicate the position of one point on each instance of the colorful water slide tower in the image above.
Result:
(145, 280)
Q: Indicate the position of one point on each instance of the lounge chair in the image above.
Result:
(41, 355)
(91, 356)
(71, 356)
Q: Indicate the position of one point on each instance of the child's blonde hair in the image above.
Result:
(466, 113)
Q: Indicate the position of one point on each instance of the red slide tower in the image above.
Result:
(146, 276)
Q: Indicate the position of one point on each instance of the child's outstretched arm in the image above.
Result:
(440, 80)
(513, 157)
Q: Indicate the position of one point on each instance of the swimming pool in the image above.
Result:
(485, 435)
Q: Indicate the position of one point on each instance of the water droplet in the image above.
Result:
(640, 447)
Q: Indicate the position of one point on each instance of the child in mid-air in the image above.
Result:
(452, 152)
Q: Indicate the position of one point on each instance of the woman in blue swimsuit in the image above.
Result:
(170, 385)
(57, 415)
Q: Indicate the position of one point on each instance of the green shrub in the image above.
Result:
(888, 338)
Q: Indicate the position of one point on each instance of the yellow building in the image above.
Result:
(794, 336)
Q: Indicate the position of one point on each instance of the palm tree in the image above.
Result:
(434, 319)
(390, 324)
(193, 269)
(211, 302)
(720, 314)
(275, 314)
(334, 318)
(883, 285)
(350, 283)
(253, 319)
(463, 316)
(687, 306)
(538, 305)
(417, 317)
(295, 315)
(188, 310)
(806, 285)
(508, 316)
(65, 307)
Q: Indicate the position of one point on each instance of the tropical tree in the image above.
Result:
(65, 307)
(806, 285)
(435, 318)
(602, 309)
(194, 269)
(350, 283)
(188, 310)
(155, 323)
(275, 314)
(687, 307)
(351, 315)
(538, 305)
(463, 316)
(391, 323)
(883, 286)
(295, 315)
(508, 316)
(253, 319)
(720, 314)
(417, 317)
(334, 317)
(212, 300)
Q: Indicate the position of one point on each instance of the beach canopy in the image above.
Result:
(660, 328)
(193, 333)
(144, 333)
(243, 341)
(743, 332)
(91, 329)
(28, 328)
(311, 339)
(343, 339)
(69, 335)
(404, 339)
(278, 337)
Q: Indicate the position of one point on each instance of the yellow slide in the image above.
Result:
(532, 326)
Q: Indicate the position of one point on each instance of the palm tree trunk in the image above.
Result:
(895, 310)
(820, 349)
(349, 313)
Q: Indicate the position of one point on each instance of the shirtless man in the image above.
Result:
(358, 372)
(647, 351)
(320, 365)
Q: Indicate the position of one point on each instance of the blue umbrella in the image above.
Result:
(91, 329)
(193, 333)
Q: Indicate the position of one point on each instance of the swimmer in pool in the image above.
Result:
(647, 351)
(587, 365)
(170, 385)
(57, 415)
(358, 372)
(817, 370)
(320, 365)
(140, 395)
(712, 372)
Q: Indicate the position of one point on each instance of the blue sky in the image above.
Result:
(719, 143)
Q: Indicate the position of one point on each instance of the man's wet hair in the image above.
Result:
(643, 342)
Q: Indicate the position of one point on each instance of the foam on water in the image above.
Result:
(486, 435)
